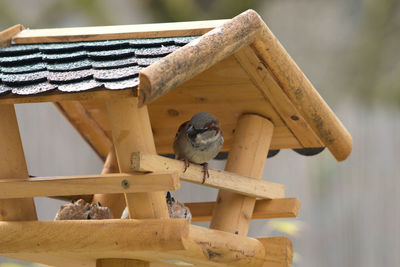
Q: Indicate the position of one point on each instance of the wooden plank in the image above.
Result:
(199, 55)
(131, 131)
(86, 126)
(57, 96)
(7, 34)
(88, 184)
(218, 179)
(121, 263)
(115, 202)
(303, 95)
(263, 209)
(97, 236)
(13, 166)
(77, 34)
(278, 251)
(115, 239)
(266, 83)
(232, 213)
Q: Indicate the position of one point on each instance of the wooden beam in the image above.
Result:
(88, 184)
(115, 202)
(263, 209)
(8, 34)
(278, 251)
(131, 131)
(303, 95)
(253, 136)
(271, 90)
(13, 166)
(61, 243)
(121, 263)
(218, 179)
(86, 126)
(97, 236)
(199, 55)
(77, 34)
(56, 96)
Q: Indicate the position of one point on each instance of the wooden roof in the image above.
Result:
(238, 67)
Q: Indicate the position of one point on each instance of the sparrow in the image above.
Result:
(198, 140)
(81, 210)
(176, 209)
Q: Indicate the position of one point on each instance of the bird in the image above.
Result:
(176, 209)
(198, 141)
(81, 210)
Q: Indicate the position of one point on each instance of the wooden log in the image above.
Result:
(278, 251)
(192, 59)
(13, 166)
(86, 126)
(115, 202)
(303, 95)
(253, 135)
(61, 243)
(271, 90)
(88, 184)
(263, 209)
(120, 263)
(93, 236)
(131, 131)
(77, 34)
(218, 179)
(8, 34)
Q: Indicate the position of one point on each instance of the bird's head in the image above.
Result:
(203, 128)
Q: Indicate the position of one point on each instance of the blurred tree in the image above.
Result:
(186, 10)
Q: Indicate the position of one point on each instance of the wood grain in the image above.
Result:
(88, 184)
(13, 166)
(192, 59)
(253, 135)
(131, 131)
(80, 243)
(218, 179)
(270, 88)
(86, 126)
(303, 95)
(77, 34)
(115, 202)
(263, 209)
(278, 251)
(8, 34)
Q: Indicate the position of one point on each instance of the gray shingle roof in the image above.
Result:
(80, 66)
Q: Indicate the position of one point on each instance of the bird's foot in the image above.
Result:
(205, 171)
(187, 163)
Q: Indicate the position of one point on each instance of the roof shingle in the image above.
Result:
(80, 66)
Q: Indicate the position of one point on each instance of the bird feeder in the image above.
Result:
(126, 89)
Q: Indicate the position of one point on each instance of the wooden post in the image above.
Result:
(253, 135)
(13, 166)
(131, 131)
(115, 202)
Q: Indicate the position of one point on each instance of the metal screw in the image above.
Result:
(125, 184)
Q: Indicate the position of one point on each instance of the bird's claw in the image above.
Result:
(206, 174)
(187, 163)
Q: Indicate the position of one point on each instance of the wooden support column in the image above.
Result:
(13, 166)
(131, 131)
(253, 134)
(115, 202)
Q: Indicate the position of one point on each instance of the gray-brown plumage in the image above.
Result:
(199, 140)
(81, 210)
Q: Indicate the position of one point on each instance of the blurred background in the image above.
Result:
(349, 49)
